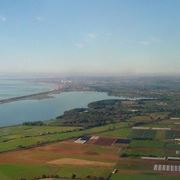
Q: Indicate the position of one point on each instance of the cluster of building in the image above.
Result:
(84, 139)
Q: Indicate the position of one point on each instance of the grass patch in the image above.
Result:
(16, 172)
(137, 152)
(82, 172)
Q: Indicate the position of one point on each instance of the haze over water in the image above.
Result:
(15, 87)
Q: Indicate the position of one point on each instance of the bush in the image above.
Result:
(44, 176)
(73, 176)
(35, 123)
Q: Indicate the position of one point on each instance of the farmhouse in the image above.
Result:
(82, 140)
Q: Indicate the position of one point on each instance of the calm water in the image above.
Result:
(33, 110)
(14, 87)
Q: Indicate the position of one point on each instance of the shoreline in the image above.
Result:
(35, 96)
(49, 94)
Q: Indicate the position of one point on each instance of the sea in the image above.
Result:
(19, 87)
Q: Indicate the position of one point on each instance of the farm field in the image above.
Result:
(142, 177)
(65, 158)
(59, 159)
(93, 151)
(13, 171)
(124, 132)
(20, 143)
(18, 137)
(17, 171)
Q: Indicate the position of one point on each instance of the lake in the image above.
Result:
(45, 109)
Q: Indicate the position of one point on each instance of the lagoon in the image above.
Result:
(34, 110)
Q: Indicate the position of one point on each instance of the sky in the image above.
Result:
(90, 36)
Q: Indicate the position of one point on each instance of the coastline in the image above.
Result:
(47, 94)
(57, 106)
(35, 96)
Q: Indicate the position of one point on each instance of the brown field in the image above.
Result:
(72, 161)
(91, 141)
(62, 150)
(103, 141)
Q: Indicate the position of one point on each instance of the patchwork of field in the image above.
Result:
(19, 137)
(96, 152)
(142, 168)
(63, 151)
(57, 158)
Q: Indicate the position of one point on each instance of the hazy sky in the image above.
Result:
(90, 36)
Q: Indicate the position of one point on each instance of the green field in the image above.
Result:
(147, 143)
(123, 132)
(16, 172)
(25, 136)
(142, 177)
(68, 170)
(18, 137)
